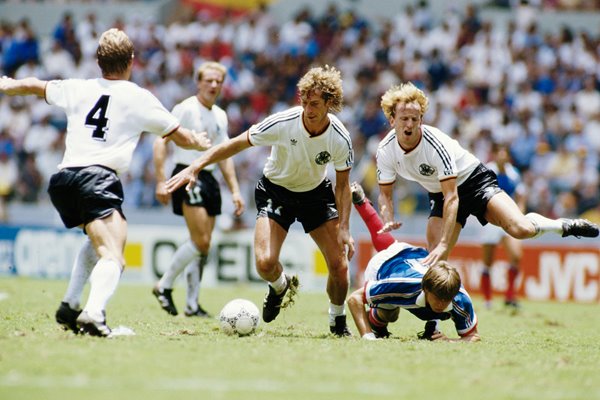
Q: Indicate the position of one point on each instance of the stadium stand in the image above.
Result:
(490, 79)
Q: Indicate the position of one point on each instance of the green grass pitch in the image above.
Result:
(546, 351)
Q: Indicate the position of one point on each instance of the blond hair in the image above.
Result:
(115, 52)
(326, 79)
(442, 280)
(205, 66)
(404, 93)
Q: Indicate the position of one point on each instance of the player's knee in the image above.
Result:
(355, 299)
(521, 230)
(265, 263)
(338, 268)
(202, 244)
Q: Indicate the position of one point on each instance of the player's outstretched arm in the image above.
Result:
(343, 199)
(442, 245)
(159, 156)
(215, 154)
(189, 139)
(228, 170)
(22, 87)
(386, 208)
(357, 309)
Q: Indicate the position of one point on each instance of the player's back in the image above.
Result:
(105, 119)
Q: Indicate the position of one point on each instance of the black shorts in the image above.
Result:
(473, 196)
(205, 194)
(84, 194)
(312, 208)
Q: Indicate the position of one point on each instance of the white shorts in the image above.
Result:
(381, 257)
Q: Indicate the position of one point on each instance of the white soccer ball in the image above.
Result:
(239, 317)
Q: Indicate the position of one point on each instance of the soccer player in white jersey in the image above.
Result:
(202, 204)
(303, 141)
(458, 184)
(396, 279)
(105, 118)
(509, 180)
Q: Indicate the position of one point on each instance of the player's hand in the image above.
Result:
(239, 204)
(389, 226)
(347, 243)
(350, 248)
(203, 140)
(440, 252)
(7, 85)
(185, 176)
(439, 335)
(162, 194)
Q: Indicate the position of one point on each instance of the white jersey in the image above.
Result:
(436, 158)
(105, 119)
(195, 116)
(298, 161)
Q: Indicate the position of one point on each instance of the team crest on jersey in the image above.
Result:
(426, 170)
(323, 158)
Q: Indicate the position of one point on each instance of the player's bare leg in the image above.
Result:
(325, 236)
(486, 283)
(504, 212)
(268, 240)
(108, 237)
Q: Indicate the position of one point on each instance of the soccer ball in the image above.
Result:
(239, 317)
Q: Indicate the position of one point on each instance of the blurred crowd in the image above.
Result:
(487, 82)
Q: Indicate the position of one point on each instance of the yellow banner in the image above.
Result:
(234, 4)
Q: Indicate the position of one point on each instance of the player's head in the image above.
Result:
(210, 66)
(501, 153)
(441, 283)
(114, 53)
(327, 81)
(403, 94)
(210, 76)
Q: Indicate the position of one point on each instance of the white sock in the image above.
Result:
(279, 284)
(336, 311)
(103, 281)
(182, 257)
(82, 268)
(544, 224)
(193, 276)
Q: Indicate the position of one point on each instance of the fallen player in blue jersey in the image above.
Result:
(395, 278)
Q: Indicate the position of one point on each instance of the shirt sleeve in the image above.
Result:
(445, 163)
(56, 93)
(463, 314)
(385, 170)
(441, 154)
(223, 127)
(158, 120)
(265, 133)
(344, 159)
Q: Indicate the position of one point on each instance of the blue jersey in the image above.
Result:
(393, 278)
(509, 180)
